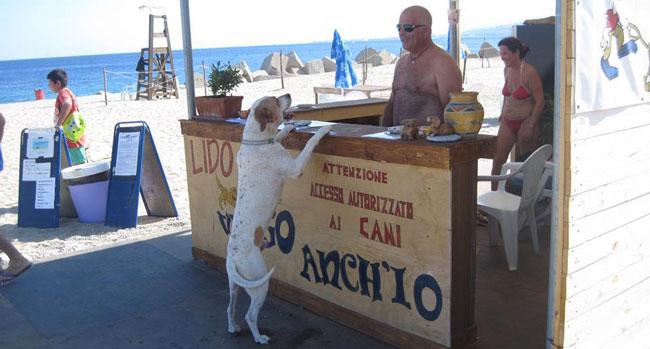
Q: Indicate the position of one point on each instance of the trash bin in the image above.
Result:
(88, 185)
(38, 92)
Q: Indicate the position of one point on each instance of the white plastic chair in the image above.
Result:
(512, 212)
(128, 91)
(542, 192)
(545, 193)
(354, 95)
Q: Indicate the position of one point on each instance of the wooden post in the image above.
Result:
(454, 31)
(281, 70)
(152, 56)
(365, 64)
(205, 85)
(105, 87)
(464, 66)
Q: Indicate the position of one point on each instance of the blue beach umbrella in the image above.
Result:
(345, 76)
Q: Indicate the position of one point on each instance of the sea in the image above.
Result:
(19, 78)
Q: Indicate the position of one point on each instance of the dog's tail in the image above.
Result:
(235, 277)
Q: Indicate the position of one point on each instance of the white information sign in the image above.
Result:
(33, 171)
(126, 162)
(40, 143)
(45, 189)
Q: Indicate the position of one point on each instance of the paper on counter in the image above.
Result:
(44, 199)
(33, 171)
(316, 123)
(313, 123)
(40, 143)
(126, 161)
(383, 135)
(236, 120)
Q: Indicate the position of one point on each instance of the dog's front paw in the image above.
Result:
(264, 339)
(323, 131)
(289, 128)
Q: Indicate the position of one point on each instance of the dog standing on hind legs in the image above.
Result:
(263, 165)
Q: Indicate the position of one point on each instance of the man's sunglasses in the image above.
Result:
(409, 27)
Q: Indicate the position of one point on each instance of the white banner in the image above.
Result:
(612, 54)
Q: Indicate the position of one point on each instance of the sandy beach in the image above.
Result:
(163, 117)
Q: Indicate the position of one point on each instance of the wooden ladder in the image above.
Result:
(156, 80)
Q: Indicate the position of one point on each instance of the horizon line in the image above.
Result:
(262, 45)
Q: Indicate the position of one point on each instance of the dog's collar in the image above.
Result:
(260, 142)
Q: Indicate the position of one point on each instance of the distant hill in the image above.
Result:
(500, 31)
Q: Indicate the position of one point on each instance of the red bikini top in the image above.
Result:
(520, 92)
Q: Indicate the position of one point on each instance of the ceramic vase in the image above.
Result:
(464, 113)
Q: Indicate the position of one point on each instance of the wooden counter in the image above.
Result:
(358, 111)
(377, 234)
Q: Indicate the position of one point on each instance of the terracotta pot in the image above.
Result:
(213, 107)
(464, 113)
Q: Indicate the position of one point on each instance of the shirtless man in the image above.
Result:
(424, 77)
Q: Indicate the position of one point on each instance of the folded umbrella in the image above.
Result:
(345, 76)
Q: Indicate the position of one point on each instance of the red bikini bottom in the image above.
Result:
(514, 125)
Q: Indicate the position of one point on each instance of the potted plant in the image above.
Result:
(223, 80)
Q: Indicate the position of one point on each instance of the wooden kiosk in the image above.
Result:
(378, 234)
(599, 278)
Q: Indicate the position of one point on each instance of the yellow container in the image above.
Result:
(464, 113)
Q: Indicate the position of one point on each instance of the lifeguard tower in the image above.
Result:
(157, 78)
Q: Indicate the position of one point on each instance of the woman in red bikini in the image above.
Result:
(523, 101)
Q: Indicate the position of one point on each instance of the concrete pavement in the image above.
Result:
(148, 294)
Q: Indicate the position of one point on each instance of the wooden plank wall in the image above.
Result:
(564, 98)
(606, 300)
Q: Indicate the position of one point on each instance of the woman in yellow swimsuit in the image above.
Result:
(523, 101)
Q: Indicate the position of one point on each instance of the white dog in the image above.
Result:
(264, 165)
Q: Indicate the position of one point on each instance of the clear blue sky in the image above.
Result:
(54, 28)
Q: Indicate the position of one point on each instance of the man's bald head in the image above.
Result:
(419, 36)
(421, 13)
